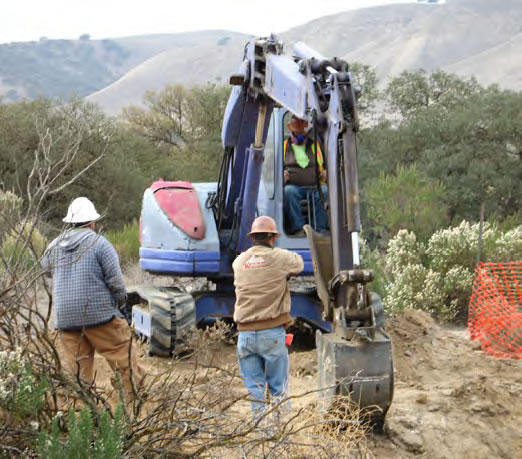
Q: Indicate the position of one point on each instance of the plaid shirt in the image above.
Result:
(87, 280)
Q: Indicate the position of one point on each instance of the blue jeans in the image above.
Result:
(263, 361)
(293, 214)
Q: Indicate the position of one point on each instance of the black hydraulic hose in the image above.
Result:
(316, 146)
(217, 200)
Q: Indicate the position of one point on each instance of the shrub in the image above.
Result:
(23, 246)
(372, 259)
(86, 438)
(126, 241)
(10, 207)
(509, 246)
(21, 392)
(438, 277)
(410, 200)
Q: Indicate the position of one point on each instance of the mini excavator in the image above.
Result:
(197, 229)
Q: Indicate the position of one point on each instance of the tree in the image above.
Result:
(186, 123)
(471, 142)
(476, 150)
(408, 199)
(163, 120)
(412, 92)
(366, 78)
(76, 134)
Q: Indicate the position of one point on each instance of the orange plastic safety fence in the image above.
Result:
(495, 309)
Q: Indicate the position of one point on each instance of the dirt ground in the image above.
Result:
(451, 400)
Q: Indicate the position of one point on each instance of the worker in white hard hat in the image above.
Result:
(88, 291)
(261, 312)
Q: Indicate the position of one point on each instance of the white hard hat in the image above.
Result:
(81, 210)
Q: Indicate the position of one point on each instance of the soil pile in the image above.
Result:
(451, 399)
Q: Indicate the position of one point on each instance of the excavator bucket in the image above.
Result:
(361, 366)
(321, 251)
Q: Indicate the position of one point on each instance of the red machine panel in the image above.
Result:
(180, 203)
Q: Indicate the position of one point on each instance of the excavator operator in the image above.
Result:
(300, 178)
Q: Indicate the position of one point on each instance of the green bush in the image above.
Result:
(126, 241)
(408, 199)
(85, 439)
(438, 276)
(21, 392)
(23, 246)
(374, 260)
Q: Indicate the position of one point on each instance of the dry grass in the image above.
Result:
(198, 407)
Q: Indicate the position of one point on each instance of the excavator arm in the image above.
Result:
(356, 358)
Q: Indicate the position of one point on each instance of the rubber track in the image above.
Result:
(173, 314)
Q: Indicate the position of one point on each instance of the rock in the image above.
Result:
(487, 408)
(405, 437)
(412, 441)
(482, 407)
(433, 408)
(476, 346)
(422, 399)
(408, 353)
(408, 423)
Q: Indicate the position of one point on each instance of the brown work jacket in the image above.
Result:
(261, 280)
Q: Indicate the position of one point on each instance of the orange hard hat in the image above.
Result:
(263, 224)
(297, 124)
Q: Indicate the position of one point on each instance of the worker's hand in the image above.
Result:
(286, 175)
(322, 175)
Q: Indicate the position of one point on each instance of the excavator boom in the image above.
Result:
(357, 357)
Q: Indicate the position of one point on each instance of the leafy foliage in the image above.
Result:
(126, 242)
(413, 92)
(437, 277)
(188, 121)
(75, 136)
(365, 77)
(86, 439)
(467, 137)
(21, 392)
(407, 200)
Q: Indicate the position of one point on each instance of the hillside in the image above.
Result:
(469, 37)
(201, 63)
(61, 68)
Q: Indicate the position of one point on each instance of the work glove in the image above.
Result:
(125, 309)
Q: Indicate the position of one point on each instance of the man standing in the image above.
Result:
(88, 290)
(262, 310)
(303, 162)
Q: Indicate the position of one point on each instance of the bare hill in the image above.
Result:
(52, 68)
(469, 37)
(201, 63)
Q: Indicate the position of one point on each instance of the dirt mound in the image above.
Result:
(451, 400)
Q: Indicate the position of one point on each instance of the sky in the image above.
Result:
(26, 20)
